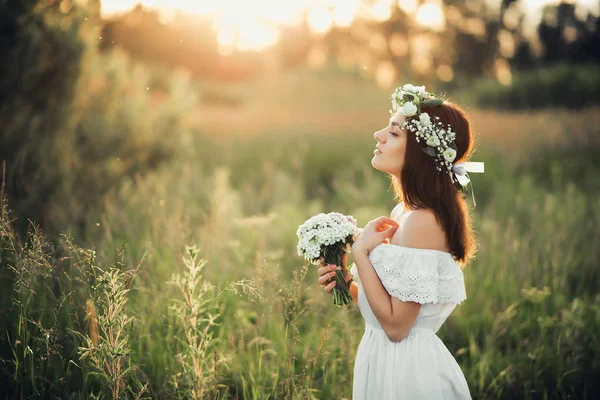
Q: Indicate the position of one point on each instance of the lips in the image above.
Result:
(377, 151)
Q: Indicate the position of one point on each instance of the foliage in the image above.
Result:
(76, 123)
(106, 348)
(572, 86)
(527, 330)
(197, 320)
(529, 326)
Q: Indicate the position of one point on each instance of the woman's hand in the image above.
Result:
(377, 231)
(327, 273)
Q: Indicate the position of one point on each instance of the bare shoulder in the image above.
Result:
(421, 229)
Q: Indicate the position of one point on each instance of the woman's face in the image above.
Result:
(391, 146)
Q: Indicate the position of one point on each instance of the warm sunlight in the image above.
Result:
(344, 12)
(320, 19)
(408, 6)
(245, 25)
(431, 16)
(240, 24)
(254, 25)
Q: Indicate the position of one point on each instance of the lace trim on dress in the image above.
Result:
(419, 275)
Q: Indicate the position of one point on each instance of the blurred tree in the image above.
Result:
(477, 37)
(187, 41)
(37, 87)
(75, 123)
(293, 46)
(567, 37)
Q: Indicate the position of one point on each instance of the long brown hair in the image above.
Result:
(421, 185)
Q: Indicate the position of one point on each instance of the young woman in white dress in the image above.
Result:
(407, 275)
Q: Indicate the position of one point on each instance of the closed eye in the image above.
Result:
(393, 133)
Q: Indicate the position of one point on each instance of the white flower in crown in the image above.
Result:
(408, 109)
(420, 90)
(414, 97)
(449, 154)
(410, 100)
(433, 141)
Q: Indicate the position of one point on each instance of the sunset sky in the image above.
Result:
(254, 25)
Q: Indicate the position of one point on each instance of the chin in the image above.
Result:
(376, 164)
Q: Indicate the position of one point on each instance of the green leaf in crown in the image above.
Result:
(431, 103)
(430, 151)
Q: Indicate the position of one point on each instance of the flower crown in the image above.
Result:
(410, 100)
(440, 140)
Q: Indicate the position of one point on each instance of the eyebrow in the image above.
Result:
(394, 123)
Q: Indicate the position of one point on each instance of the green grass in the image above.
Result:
(238, 190)
(562, 84)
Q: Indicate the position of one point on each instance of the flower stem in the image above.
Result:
(334, 254)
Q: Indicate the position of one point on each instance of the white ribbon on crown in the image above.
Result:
(460, 171)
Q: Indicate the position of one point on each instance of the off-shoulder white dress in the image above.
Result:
(420, 366)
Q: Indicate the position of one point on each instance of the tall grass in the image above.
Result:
(198, 367)
(242, 317)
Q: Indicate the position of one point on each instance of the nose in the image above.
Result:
(378, 135)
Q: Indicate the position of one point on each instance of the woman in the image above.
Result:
(407, 268)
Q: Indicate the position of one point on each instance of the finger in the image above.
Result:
(327, 268)
(386, 220)
(383, 225)
(325, 278)
(322, 261)
(329, 287)
(388, 232)
(384, 228)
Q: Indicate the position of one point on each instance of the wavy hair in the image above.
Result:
(421, 185)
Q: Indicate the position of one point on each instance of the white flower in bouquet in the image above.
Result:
(328, 236)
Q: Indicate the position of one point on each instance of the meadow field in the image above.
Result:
(188, 284)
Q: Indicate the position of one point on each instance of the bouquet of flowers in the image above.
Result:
(329, 236)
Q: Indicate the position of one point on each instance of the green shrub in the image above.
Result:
(561, 85)
(75, 122)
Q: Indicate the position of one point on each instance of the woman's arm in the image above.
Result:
(396, 317)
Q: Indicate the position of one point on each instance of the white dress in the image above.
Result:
(420, 366)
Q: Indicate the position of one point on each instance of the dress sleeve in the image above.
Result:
(419, 275)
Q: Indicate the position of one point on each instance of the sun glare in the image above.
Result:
(381, 10)
(344, 12)
(240, 25)
(254, 25)
(431, 16)
(320, 19)
(408, 6)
